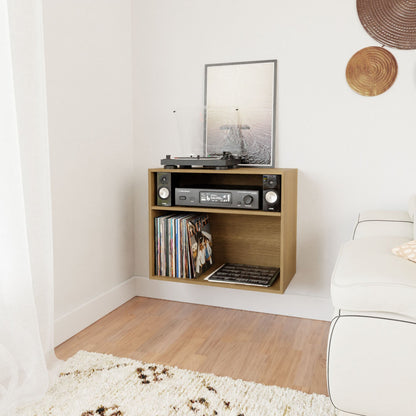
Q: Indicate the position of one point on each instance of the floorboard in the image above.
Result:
(265, 348)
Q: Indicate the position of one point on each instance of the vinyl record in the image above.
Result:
(390, 22)
(371, 71)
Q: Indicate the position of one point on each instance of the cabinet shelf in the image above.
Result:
(255, 237)
(224, 211)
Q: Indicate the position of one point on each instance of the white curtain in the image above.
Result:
(26, 260)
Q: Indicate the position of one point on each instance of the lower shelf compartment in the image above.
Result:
(275, 288)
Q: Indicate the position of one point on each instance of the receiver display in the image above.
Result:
(221, 197)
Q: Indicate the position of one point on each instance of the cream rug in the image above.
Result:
(94, 384)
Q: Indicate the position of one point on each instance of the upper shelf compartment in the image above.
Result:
(256, 190)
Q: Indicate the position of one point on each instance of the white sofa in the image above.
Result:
(371, 362)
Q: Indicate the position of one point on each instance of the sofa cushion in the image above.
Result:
(369, 277)
(383, 222)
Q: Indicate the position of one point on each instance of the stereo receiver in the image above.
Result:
(222, 198)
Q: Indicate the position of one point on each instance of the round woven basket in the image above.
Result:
(390, 22)
(371, 71)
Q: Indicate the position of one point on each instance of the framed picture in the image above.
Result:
(240, 110)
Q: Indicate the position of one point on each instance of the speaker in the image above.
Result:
(272, 192)
(164, 189)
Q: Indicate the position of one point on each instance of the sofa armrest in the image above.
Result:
(412, 213)
(383, 223)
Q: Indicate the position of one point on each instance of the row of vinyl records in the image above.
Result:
(183, 245)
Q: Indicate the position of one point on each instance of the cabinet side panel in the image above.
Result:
(151, 198)
(289, 227)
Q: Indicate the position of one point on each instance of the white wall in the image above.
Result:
(352, 152)
(89, 81)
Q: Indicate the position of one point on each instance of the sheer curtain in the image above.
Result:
(26, 261)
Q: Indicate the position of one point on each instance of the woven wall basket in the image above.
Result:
(371, 71)
(389, 22)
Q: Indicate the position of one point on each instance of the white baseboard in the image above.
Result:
(86, 314)
(287, 304)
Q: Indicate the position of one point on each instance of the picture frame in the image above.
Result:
(240, 111)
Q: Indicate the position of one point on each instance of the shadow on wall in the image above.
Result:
(318, 239)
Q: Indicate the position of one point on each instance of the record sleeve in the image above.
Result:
(200, 244)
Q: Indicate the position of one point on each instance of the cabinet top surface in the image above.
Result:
(242, 171)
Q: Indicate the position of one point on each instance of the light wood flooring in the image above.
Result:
(265, 348)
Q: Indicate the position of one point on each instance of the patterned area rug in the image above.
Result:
(94, 384)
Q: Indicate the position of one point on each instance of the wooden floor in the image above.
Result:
(269, 349)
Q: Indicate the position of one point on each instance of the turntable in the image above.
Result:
(226, 161)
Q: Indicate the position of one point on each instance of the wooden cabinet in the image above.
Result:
(254, 237)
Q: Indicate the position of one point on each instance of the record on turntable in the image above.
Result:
(226, 161)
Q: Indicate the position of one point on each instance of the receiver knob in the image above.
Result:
(248, 199)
